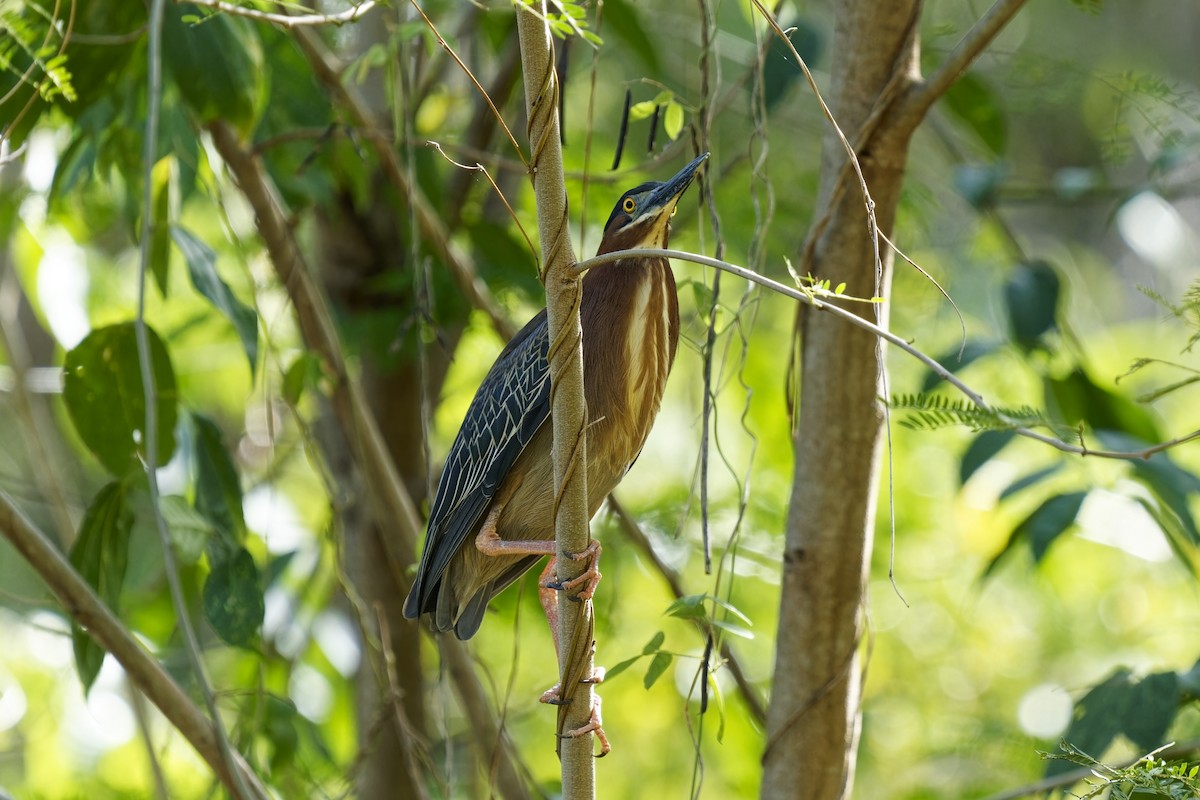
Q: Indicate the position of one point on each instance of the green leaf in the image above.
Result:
(1141, 710)
(974, 103)
(190, 530)
(688, 607)
(613, 672)
(202, 269)
(981, 450)
(102, 389)
(621, 18)
(958, 359)
(655, 643)
(1042, 527)
(101, 555)
(642, 110)
(163, 204)
(218, 489)
(217, 64)
(1031, 479)
(233, 599)
(1049, 521)
(780, 69)
(1077, 399)
(280, 732)
(304, 371)
(1169, 482)
(736, 630)
(673, 120)
(658, 665)
(1031, 298)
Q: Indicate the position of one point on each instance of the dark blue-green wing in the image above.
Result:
(512, 403)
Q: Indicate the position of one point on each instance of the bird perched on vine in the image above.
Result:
(493, 514)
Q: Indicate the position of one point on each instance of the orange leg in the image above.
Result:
(489, 543)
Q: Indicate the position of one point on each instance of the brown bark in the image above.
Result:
(814, 716)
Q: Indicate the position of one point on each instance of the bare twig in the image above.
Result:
(288, 20)
(821, 302)
(84, 607)
(923, 95)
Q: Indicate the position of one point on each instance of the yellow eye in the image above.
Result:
(628, 205)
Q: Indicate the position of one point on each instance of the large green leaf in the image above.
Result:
(1141, 710)
(1077, 399)
(974, 103)
(164, 187)
(202, 269)
(1031, 298)
(217, 64)
(233, 599)
(101, 555)
(981, 450)
(102, 389)
(218, 489)
(1050, 520)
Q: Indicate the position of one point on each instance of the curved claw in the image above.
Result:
(593, 725)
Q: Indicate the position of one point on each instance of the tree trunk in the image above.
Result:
(814, 716)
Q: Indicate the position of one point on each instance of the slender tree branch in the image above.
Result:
(924, 94)
(288, 20)
(83, 606)
(824, 301)
(568, 412)
(634, 532)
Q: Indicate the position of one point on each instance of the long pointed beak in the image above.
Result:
(666, 196)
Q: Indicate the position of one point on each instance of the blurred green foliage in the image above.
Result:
(1020, 199)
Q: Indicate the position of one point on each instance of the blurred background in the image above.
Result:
(1053, 194)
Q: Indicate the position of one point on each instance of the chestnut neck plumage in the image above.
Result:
(630, 320)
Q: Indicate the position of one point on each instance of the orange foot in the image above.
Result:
(589, 579)
(552, 695)
(593, 725)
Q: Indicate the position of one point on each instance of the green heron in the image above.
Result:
(492, 517)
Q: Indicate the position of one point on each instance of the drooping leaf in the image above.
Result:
(190, 530)
(163, 187)
(1142, 710)
(1042, 527)
(233, 599)
(217, 65)
(1049, 521)
(658, 665)
(673, 120)
(1032, 479)
(102, 389)
(780, 69)
(688, 607)
(101, 554)
(1031, 299)
(982, 449)
(1078, 399)
(973, 103)
(218, 489)
(202, 269)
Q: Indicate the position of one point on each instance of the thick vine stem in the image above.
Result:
(567, 408)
